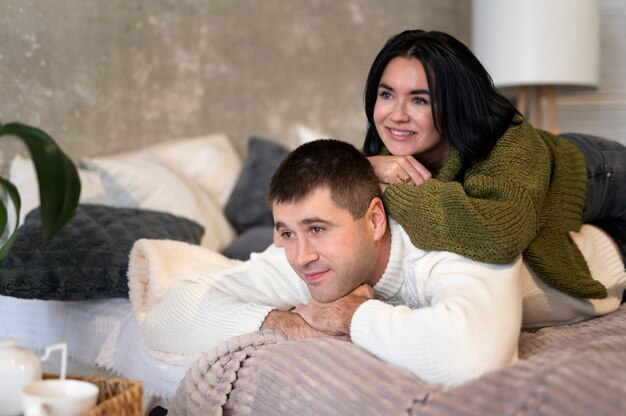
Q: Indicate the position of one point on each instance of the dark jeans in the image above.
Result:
(605, 202)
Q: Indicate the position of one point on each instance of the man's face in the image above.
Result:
(331, 251)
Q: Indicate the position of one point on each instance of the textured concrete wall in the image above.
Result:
(109, 75)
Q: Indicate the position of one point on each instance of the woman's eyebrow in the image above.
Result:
(412, 92)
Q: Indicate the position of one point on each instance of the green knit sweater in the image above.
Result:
(524, 197)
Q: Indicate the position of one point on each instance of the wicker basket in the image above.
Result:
(118, 396)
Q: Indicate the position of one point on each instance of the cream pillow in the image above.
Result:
(306, 134)
(23, 175)
(191, 178)
(211, 161)
(185, 178)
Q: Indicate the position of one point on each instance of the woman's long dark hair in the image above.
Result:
(467, 109)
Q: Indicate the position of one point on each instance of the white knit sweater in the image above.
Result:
(444, 317)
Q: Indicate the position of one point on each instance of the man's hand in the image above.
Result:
(294, 326)
(334, 318)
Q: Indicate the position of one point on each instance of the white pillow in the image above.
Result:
(182, 178)
(145, 183)
(23, 175)
(306, 134)
(210, 161)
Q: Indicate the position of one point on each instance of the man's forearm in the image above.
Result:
(293, 325)
(335, 317)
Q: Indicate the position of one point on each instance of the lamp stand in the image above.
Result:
(540, 94)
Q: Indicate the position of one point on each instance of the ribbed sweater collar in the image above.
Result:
(391, 280)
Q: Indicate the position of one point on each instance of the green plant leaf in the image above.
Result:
(59, 184)
(15, 198)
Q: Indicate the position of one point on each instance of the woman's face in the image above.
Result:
(403, 113)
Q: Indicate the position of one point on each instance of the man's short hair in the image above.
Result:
(328, 163)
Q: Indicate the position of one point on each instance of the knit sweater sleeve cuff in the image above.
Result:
(253, 319)
(360, 328)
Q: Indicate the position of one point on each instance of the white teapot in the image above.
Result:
(19, 367)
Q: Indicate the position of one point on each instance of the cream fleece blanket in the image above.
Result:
(154, 264)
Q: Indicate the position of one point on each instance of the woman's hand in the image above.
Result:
(399, 169)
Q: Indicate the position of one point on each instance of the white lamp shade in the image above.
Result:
(538, 42)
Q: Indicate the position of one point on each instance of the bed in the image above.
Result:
(200, 191)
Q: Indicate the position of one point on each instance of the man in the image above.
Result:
(340, 268)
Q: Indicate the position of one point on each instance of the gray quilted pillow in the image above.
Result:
(88, 258)
(246, 205)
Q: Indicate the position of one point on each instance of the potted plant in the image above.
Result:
(59, 184)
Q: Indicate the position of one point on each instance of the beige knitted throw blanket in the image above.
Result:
(568, 370)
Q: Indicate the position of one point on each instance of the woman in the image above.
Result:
(464, 172)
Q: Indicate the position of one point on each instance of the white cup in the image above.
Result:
(58, 397)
